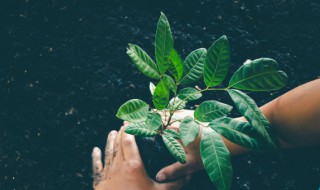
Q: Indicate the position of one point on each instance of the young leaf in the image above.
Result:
(216, 159)
(188, 94)
(152, 87)
(161, 95)
(193, 66)
(249, 109)
(175, 148)
(172, 133)
(143, 61)
(217, 62)
(163, 43)
(153, 121)
(211, 110)
(177, 104)
(139, 129)
(175, 65)
(189, 130)
(170, 83)
(238, 132)
(134, 111)
(259, 75)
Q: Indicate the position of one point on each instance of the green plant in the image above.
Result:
(213, 64)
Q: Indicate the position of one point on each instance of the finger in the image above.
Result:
(125, 123)
(129, 147)
(97, 166)
(173, 171)
(117, 149)
(174, 185)
(109, 149)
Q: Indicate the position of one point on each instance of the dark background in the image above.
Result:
(64, 73)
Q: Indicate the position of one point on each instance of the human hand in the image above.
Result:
(124, 168)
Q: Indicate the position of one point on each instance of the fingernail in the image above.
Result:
(161, 177)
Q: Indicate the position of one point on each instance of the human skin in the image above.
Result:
(123, 169)
(294, 116)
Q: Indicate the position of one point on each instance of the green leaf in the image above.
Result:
(189, 130)
(211, 110)
(134, 111)
(188, 94)
(172, 133)
(175, 65)
(259, 75)
(170, 83)
(154, 120)
(139, 129)
(143, 61)
(161, 95)
(217, 62)
(177, 104)
(152, 87)
(175, 149)
(193, 66)
(249, 109)
(238, 132)
(216, 159)
(164, 43)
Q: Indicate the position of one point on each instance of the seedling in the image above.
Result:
(212, 65)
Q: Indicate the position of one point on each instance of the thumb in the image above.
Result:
(174, 185)
(172, 171)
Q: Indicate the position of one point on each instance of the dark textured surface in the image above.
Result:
(64, 73)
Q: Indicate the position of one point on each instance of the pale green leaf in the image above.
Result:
(152, 87)
(217, 62)
(172, 133)
(259, 75)
(134, 111)
(139, 129)
(154, 120)
(249, 109)
(193, 66)
(177, 104)
(189, 130)
(216, 159)
(175, 65)
(211, 110)
(175, 148)
(163, 43)
(160, 96)
(238, 132)
(188, 94)
(143, 61)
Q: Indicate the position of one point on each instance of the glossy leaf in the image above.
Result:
(188, 94)
(189, 130)
(211, 110)
(238, 132)
(139, 129)
(152, 87)
(175, 148)
(216, 159)
(163, 43)
(134, 111)
(193, 66)
(259, 75)
(249, 109)
(217, 62)
(143, 61)
(154, 120)
(175, 65)
(177, 104)
(170, 83)
(172, 133)
(161, 95)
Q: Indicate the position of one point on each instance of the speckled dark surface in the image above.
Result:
(64, 72)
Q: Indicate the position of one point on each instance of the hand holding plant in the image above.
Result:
(213, 65)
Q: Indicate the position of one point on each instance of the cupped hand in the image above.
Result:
(123, 168)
